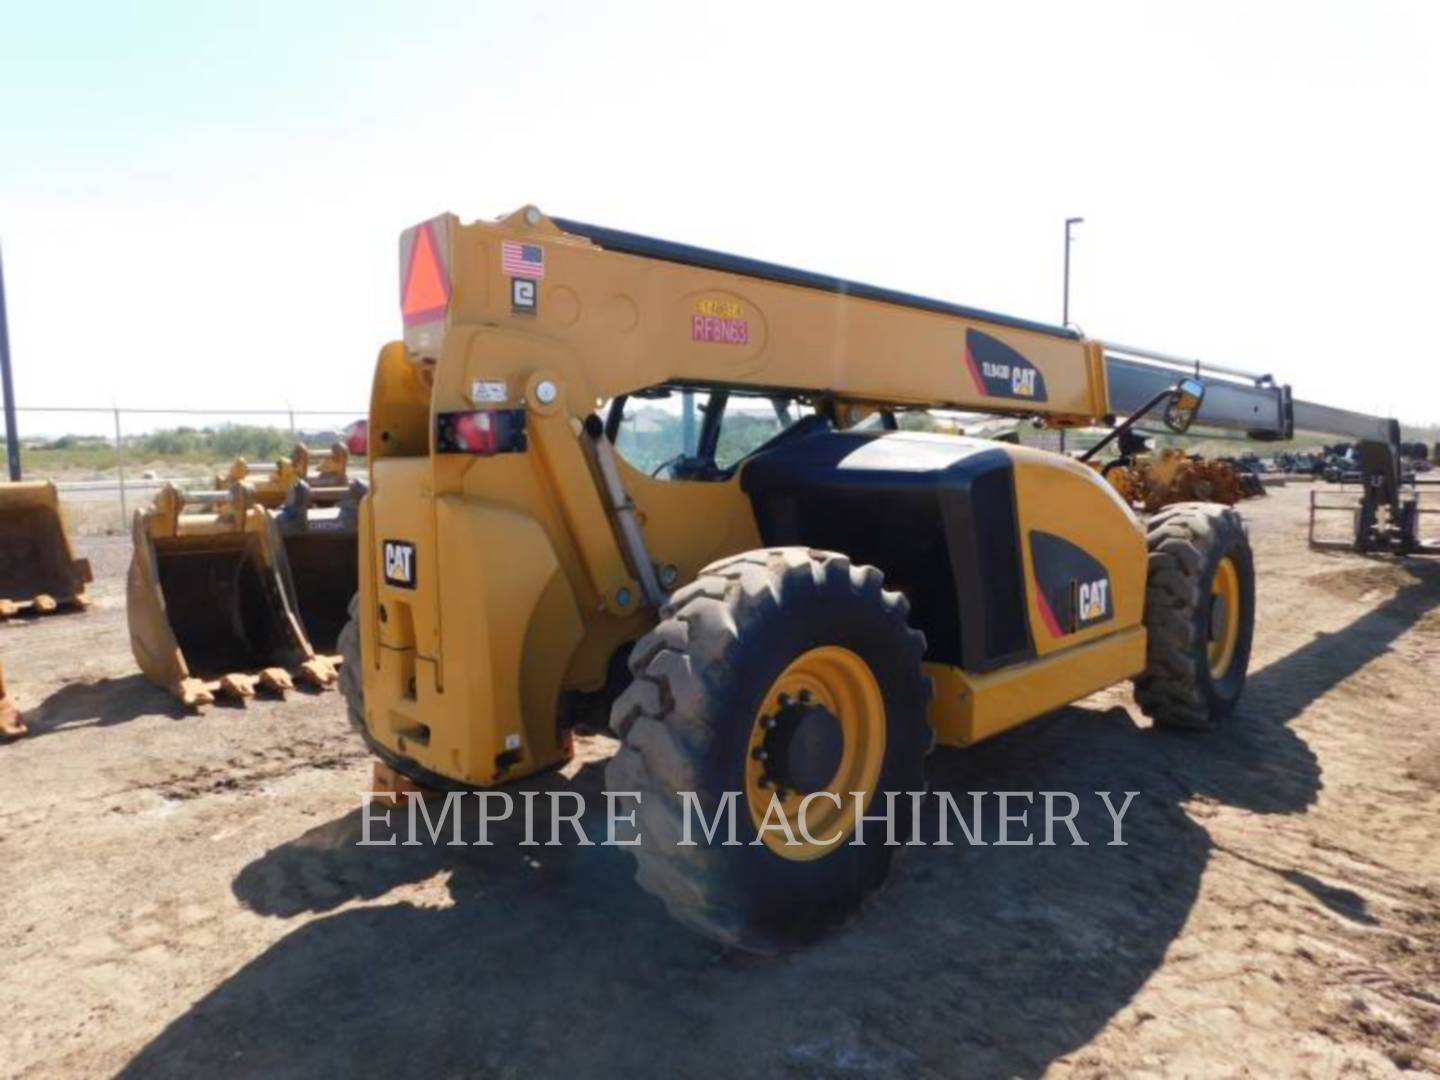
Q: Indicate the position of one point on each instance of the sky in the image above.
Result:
(200, 202)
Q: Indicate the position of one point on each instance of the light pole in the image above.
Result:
(12, 437)
(1070, 223)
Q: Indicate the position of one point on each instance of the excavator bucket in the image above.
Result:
(317, 515)
(319, 526)
(38, 568)
(210, 600)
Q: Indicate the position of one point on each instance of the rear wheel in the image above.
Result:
(1199, 615)
(775, 685)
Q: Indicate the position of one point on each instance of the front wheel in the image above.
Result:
(1199, 615)
(774, 686)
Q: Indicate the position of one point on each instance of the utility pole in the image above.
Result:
(12, 435)
(1070, 223)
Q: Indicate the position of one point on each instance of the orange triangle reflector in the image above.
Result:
(426, 294)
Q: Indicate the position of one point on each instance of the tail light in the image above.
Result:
(484, 432)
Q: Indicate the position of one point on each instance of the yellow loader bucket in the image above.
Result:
(210, 601)
(38, 568)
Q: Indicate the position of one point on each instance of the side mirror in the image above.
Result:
(1184, 403)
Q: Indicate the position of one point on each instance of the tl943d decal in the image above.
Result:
(1000, 371)
(1074, 588)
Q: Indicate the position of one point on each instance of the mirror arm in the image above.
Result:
(1130, 421)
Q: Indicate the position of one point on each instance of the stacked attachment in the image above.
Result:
(273, 483)
(1150, 482)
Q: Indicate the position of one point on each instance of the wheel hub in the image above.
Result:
(818, 730)
(803, 746)
(1218, 615)
(1224, 623)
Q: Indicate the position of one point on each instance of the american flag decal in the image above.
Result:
(522, 260)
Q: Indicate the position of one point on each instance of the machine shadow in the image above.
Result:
(101, 703)
(1283, 689)
(977, 960)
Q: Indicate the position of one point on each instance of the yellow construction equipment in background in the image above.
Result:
(225, 596)
(39, 573)
(38, 569)
(273, 485)
(1153, 481)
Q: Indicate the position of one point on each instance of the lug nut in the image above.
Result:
(784, 701)
(760, 754)
(768, 723)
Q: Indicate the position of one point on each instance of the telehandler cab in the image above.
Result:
(615, 474)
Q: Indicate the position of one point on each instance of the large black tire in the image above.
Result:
(1188, 542)
(699, 678)
(351, 684)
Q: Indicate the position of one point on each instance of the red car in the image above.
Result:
(357, 438)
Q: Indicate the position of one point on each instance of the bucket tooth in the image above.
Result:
(276, 680)
(193, 693)
(9, 609)
(320, 671)
(237, 686)
(11, 726)
(44, 603)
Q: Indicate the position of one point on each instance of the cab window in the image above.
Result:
(750, 421)
(687, 433)
(661, 427)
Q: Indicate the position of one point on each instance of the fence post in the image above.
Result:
(120, 463)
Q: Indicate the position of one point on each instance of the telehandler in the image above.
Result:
(782, 598)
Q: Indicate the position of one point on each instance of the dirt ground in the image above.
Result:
(182, 895)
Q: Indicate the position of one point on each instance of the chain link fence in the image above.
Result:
(107, 461)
